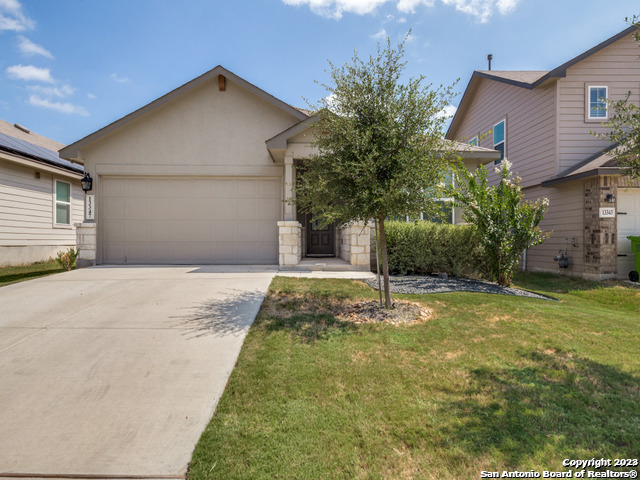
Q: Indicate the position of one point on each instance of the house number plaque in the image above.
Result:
(607, 212)
(89, 205)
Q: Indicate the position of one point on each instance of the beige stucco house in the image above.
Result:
(541, 121)
(40, 197)
(200, 176)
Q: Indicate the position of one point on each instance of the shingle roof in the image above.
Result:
(522, 76)
(32, 151)
(31, 137)
(600, 163)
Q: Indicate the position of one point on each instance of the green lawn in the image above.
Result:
(10, 275)
(492, 382)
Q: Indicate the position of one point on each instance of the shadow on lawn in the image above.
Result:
(219, 318)
(16, 277)
(557, 400)
(308, 327)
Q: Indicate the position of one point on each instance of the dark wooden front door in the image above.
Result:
(320, 240)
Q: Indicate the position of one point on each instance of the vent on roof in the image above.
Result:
(20, 127)
(489, 58)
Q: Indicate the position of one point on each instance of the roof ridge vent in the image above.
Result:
(20, 127)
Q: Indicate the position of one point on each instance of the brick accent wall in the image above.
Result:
(600, 234)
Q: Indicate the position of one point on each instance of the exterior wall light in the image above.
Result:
(610, 198)
(87, 182)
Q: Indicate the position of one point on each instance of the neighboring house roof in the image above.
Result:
(34, 149)
(72, 151)
(600, 163)
(524, 79)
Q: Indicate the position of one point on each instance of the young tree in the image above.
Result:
(507, 224)
(380, 147)
(624, 127)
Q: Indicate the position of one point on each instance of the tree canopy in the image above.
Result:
(380, 145)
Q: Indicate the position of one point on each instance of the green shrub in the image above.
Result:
(426, 247)
(67, 260)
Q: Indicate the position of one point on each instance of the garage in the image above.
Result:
(189, 220)
(628, 224)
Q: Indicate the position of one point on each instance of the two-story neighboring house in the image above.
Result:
(542, 122)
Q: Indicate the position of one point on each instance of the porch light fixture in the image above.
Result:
(87, 182)
(610, 198)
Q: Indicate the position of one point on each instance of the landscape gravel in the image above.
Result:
(435, 284)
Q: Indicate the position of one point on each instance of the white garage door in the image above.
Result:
(628, 224)
(183, 220)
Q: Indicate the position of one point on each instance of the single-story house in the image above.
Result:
(201, 175)
(40, 197)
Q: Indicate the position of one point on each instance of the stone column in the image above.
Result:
(600, 234)
(289, 243)
(356, 248)
(86, 244)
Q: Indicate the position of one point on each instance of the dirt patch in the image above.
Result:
(372, 312)
(354, 311)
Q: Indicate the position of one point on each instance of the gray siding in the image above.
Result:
(564, 218)
(530, 134)
(26, 208)
(616, 66)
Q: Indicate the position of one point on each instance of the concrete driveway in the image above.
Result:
(115, 371)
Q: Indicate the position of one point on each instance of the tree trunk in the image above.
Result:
(385, 263)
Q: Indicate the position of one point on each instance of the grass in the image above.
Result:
(491, 383)
(9, 275)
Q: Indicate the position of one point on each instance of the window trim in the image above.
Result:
(587, 103)
(504, 140)
(56, 202)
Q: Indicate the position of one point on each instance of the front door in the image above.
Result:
(320, 240)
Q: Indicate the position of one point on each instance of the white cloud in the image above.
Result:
(91, 96)
(409, 6)
(448, 112)
(27, 47)
(382, 33)
(482, 9)
(335, 8)
(506, 6)
(29, 73)
(13, 18)
(118, 79)
(67, 108)
(61, 92)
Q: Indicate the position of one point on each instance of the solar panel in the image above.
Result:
(16, 145)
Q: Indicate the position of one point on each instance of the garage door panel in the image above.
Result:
(189, 221)
(628, 223)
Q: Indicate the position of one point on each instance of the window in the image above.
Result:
(62, 211)
(499, 142)
(597, 102)
(474, 141)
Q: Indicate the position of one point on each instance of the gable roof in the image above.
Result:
(71, 151)
(525, 79)
(38, 149)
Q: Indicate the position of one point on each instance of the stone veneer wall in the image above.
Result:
(86, 244)
(601, 234)
(289, 243)
(355, 244)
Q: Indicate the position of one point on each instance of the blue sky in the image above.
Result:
(70, 67)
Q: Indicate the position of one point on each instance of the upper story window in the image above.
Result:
(597, 102)
(62, 211)
(499, 139)
(474, 141)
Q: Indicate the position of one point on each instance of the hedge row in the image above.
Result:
(425, 248)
